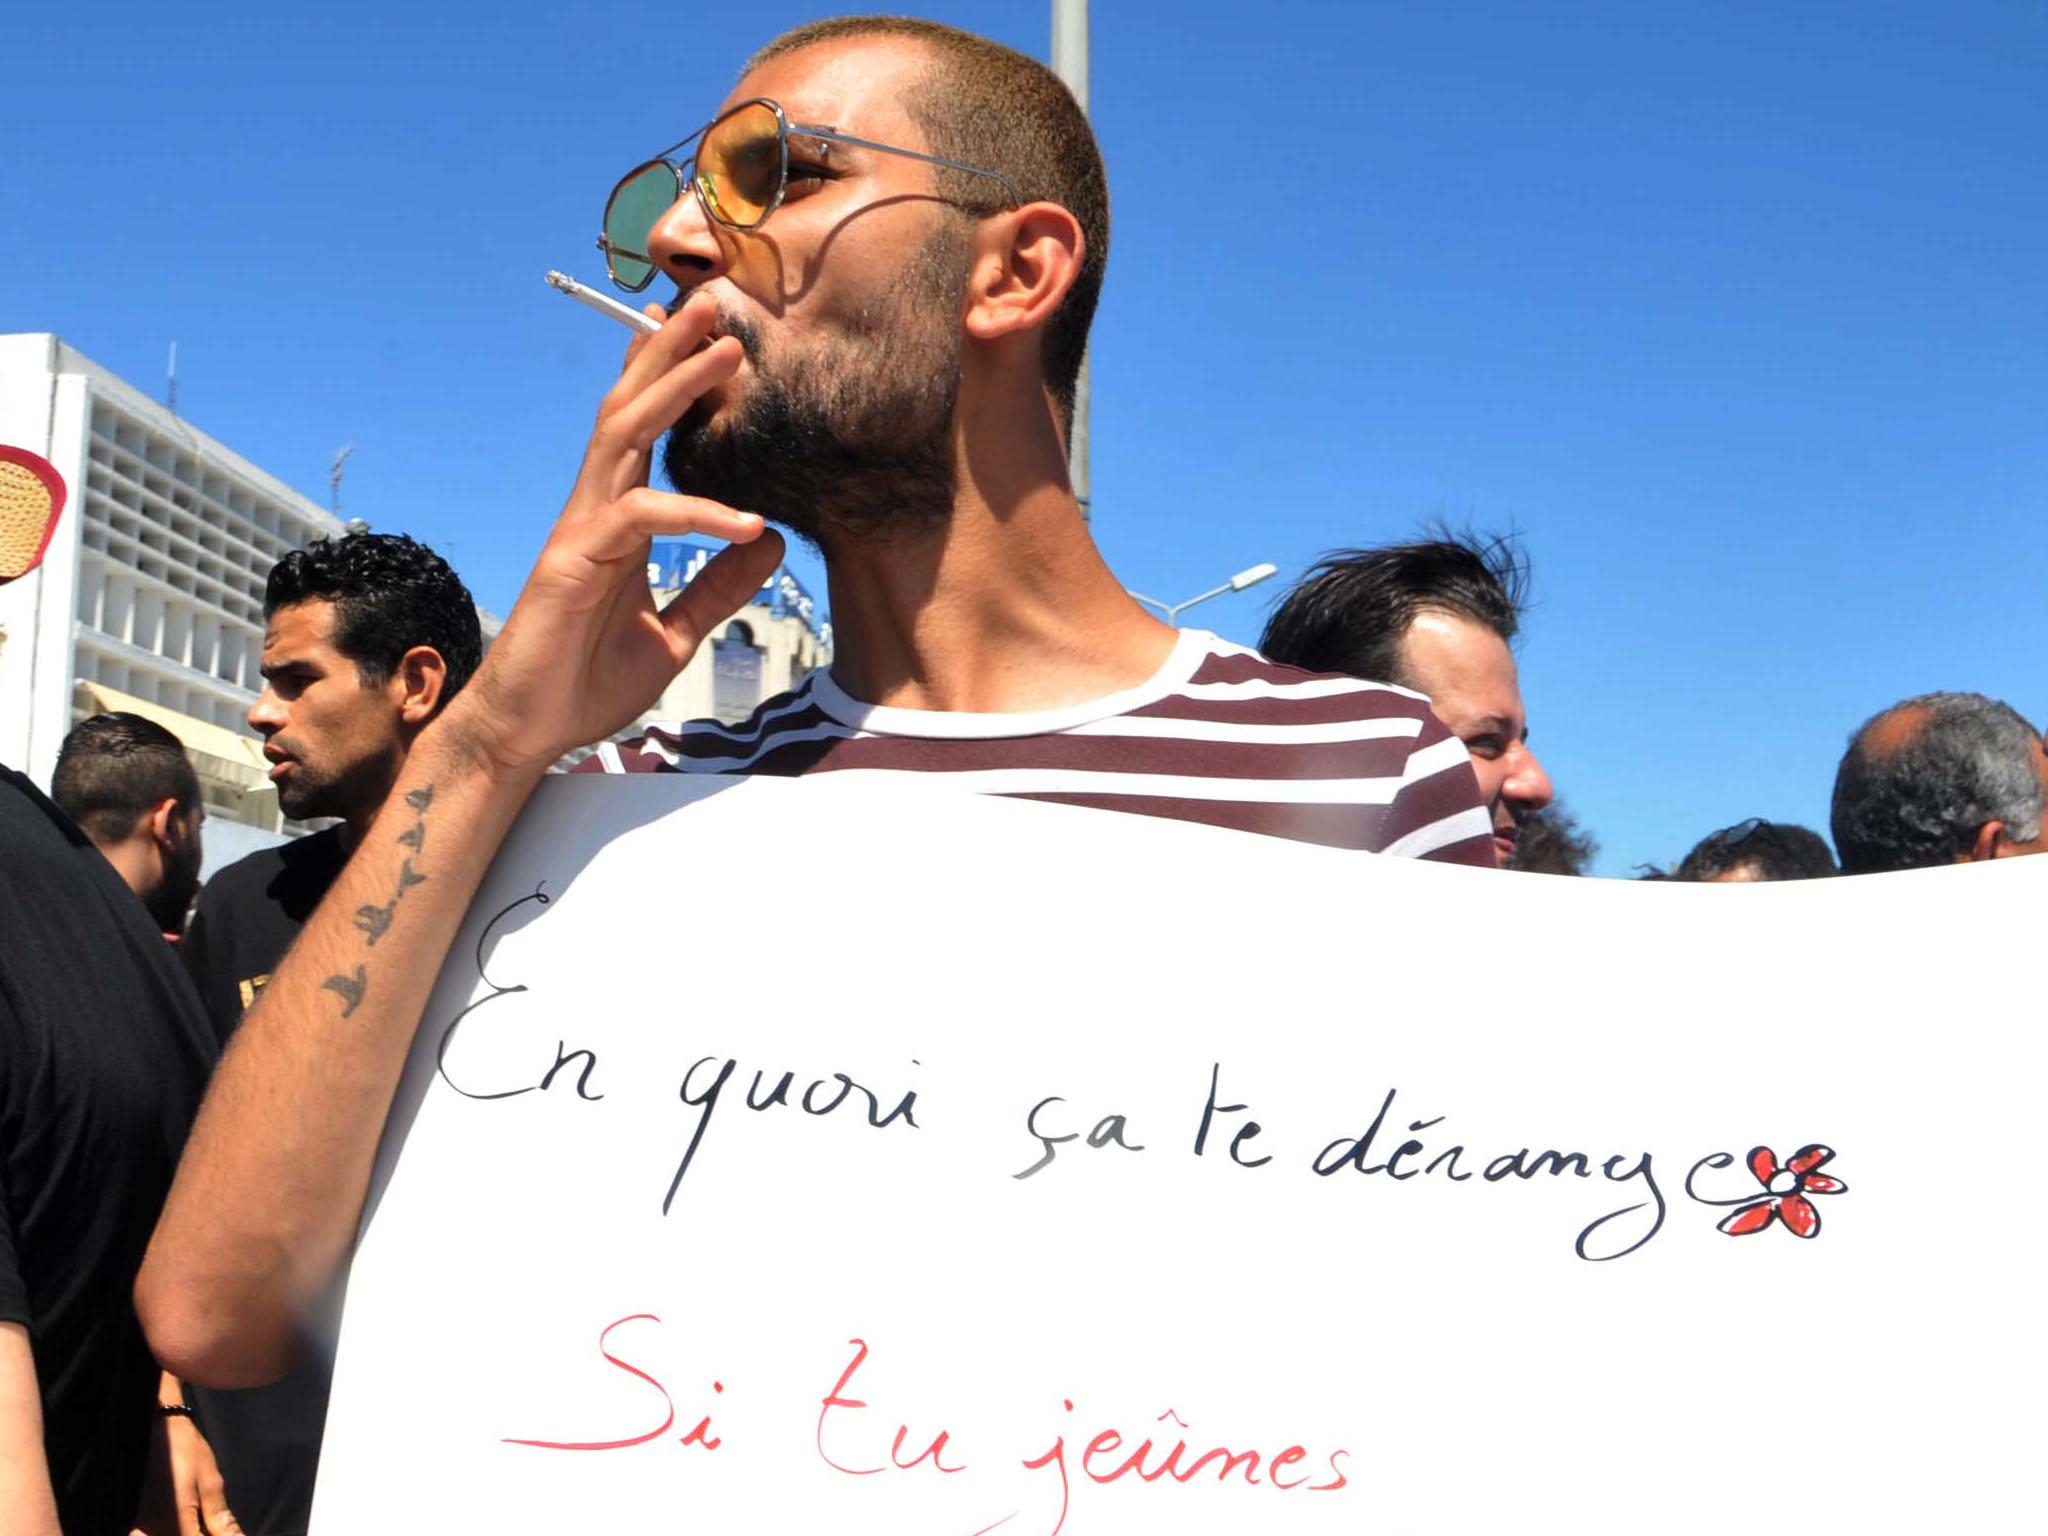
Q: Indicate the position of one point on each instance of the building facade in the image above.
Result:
(149, 598)
(150, 595)
(766, 648)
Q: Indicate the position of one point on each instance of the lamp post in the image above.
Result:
(1249, 577)
(1070, 63)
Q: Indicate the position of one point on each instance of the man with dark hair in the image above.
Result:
(1756, 850)
(1438, 617)
(1553, 843)
(368, 638)
(1945, 778)
(127, 783)
(103, 1050)
(872, 349)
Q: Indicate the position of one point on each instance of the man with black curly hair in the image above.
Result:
(1757, 850)
(367, 638)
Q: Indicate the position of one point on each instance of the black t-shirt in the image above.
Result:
(248, 916)
(266, 1440)
(103, 1052)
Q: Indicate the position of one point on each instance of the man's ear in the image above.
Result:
(1024, 263)
(1988, 843)
(422, 677)
(166, 826)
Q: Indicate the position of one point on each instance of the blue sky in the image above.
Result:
(1738, 314)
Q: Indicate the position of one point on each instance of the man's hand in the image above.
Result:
(183, 1494)
(585, 649)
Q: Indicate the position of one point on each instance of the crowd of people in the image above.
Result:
(906, 412)
(366, 637)
(1943, 778)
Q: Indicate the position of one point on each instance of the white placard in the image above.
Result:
(1443, 1261)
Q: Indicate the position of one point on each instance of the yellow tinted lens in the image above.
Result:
(739, 166)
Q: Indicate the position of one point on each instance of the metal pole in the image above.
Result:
(1249, 577)
(1173, 610)
(1070, 63)
(334, 479)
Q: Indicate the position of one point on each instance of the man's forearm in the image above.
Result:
(267, 1198)
(27, 1506)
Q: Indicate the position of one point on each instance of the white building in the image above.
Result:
(766, 648)
(150, 597)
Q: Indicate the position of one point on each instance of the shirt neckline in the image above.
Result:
(1189, 651)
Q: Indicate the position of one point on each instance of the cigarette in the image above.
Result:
(604, 305)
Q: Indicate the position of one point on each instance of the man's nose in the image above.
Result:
(684, 245)
(1527, 786)
(266, 715)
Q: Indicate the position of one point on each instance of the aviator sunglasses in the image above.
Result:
(739, 174)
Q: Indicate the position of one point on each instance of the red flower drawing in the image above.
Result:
(1786, 1190)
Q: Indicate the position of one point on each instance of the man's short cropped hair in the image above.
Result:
(987, 105)
(114, 768)
(390, 593)
(1351, 612)
(1770, 850)
(1916, 794)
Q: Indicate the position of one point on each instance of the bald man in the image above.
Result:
(1945, 778)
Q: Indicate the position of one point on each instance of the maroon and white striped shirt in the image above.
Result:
(1218, 735)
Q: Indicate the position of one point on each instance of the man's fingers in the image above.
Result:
(659, 314)
(213, 1505)
(190, 1520)
(655, 409)
(621, 447)
(617, 459)
(645, 514)
(649, 357)
(729, 579)
(652, 359)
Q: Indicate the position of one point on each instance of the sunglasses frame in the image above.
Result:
(783, 129)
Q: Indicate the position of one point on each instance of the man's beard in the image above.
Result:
(308, 795)
(171, 900)
(849, 443)
(312, 791)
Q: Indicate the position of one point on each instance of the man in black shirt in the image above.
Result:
(127, 783)
(103, 1052)
(366, 638)
(249, 914)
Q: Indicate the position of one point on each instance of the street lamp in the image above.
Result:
(1070, 63)
(1250, 577)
